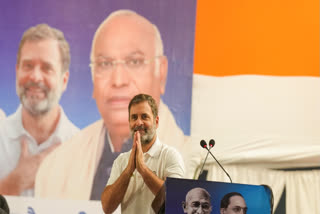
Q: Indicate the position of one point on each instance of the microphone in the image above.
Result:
(4, 208)
(203, 144)
(212, 142)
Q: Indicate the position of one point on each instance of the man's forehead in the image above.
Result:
(49, 50)
(133, 20)
(133, 30)
(197, 195)
(237, 201)
(142, 107)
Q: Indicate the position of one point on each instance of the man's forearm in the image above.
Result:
(151, 180)
(114, 194)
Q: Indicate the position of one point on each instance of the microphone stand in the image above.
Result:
(201, 171)
(219, 164)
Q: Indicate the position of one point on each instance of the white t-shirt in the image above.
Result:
(11, 132)
(161, 159)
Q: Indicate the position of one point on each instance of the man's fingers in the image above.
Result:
(138, 136)
(135, 136)
(138, 141)
(24, 147)
(134, 145)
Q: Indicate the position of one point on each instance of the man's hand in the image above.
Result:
(23, 176)
(132, 159)
(140, 165)
(113, 194)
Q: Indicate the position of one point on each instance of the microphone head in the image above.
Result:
(211, 143)
(4, 208)
(203, 144)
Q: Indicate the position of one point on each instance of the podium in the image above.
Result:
(171, 199)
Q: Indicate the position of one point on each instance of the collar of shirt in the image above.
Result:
(155, 149)
(15, 120)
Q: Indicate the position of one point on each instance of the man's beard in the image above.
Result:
(32, 103)
(148, 135)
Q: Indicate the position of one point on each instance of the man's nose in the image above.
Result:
(200, 211)
(36, 74)
(139, 122)
(120, 76)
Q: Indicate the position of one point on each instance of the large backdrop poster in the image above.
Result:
(78, 20)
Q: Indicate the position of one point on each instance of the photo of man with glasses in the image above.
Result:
(198, 201)
(126, 59)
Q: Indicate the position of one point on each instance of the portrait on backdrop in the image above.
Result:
(106, 70)
(39, 124)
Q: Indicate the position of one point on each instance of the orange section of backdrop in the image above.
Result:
(275, 37)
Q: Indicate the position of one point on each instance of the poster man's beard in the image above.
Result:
(33, 104)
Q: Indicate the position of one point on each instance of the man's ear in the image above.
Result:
(163, 72)
(65, 80)
(184, 207)
(222, 210)
(157, 121)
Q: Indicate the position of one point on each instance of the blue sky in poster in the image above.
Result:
(78, 19)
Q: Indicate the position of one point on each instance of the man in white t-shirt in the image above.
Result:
(39, 125)
(138, 175)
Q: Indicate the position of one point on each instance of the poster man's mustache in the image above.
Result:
(38, 85)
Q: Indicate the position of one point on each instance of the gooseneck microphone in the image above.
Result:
(203, 145)
(211, 144)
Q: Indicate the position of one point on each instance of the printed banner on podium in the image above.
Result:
(189, 196)
(30, 205)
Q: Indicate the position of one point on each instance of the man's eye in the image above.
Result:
(46, 68)
(196, 204)
(134, 62)
(144, 116)
(27, 66)
(237, 209)
(205, 206)
(105, 64)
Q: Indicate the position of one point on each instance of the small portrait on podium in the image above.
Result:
(233, 203)
(198, 200)
(208, 197)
